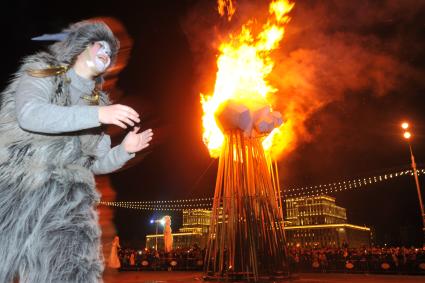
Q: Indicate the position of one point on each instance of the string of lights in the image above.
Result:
(171, 201)
(360, 181)
(346, 185)
(157, 208)
(300, 192)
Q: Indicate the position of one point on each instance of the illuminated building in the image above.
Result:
(314, 211)
(319, 222)
(194, 231)
(196, 221)
(309, 222)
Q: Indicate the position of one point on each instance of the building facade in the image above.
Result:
(309, 222)
(314, 211)
(319, 222)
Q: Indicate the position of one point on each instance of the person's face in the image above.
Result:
(99, 56)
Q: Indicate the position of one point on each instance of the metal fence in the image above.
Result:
(338, 266)
(381, 266)
(382, 261)
(161, 264)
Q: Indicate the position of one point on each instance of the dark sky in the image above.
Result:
(351, 69)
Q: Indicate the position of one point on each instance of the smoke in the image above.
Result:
(331, 49)
(338, 48)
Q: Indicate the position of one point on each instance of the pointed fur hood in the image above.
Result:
(79, 36)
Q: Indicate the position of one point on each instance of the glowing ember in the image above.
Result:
(243, 66)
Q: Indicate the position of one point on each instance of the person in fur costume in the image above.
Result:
(51, 145)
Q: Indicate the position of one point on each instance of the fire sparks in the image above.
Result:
(243, 66)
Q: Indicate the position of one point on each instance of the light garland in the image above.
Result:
(346, 185)
(154, 202)
(157, 207)
(308, 191)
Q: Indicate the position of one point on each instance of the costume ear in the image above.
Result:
(51, 37)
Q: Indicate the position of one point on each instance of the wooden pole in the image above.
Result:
(246, 239)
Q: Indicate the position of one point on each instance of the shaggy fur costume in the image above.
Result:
(49, 228)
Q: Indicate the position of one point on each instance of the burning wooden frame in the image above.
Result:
(246, 238)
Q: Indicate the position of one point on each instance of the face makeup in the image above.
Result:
(99, 56)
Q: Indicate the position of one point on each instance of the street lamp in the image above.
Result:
(157, 221)
(407, 135)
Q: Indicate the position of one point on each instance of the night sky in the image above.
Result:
(352, 70)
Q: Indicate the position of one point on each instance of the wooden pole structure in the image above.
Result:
(246, 239)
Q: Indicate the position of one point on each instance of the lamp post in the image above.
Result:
(407, 135)
(157, 221)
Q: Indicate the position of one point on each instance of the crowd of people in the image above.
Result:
(396, 260)
(190, 258)
(401, 260)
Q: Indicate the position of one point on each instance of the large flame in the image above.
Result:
(243, 66)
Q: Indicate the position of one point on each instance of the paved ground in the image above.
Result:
(192, 277)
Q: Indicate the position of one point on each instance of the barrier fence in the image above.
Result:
(387, 263)
(361, 266)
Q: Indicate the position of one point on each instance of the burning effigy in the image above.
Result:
(246, 238)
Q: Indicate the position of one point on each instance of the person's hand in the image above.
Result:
(135, 142)
(119, 115)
